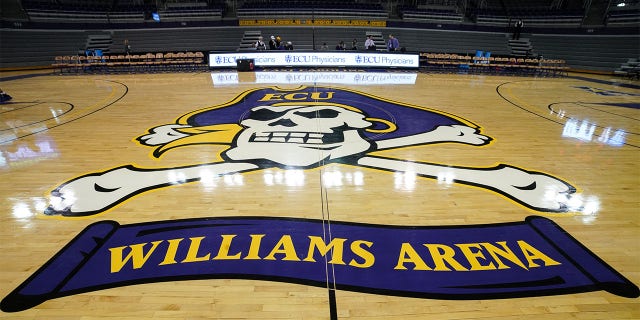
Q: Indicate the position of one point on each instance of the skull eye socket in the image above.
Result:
(265, 114)
(322, 113)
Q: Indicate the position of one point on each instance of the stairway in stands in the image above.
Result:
(101, 41)
(629, 69)
(378, 39)
(521, 47)
(249, 38)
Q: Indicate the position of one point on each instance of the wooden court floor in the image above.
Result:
(419, 212)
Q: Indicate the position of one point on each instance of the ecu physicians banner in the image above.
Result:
(270, 58)
(531, 258)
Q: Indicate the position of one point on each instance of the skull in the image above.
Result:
(299, 135)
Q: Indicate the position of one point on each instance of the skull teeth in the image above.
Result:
(289, 137)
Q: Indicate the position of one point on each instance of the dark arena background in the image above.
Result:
(352, 159)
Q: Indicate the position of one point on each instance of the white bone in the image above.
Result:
(97, 192)
(453, 133)
(532, 189)
(162, 135)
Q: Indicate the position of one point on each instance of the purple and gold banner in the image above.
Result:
(531, 258)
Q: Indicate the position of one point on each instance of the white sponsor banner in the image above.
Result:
(282, 77)
(316, 59)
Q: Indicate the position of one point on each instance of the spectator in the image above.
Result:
(260, 45)
(517, 29)
(369, 44)
(340, 46)
(324, 47)
(393, 44)
(354, 44)
(272, 43)
(127, 47)
(288, 46)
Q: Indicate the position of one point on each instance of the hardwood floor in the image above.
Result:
(436, 157)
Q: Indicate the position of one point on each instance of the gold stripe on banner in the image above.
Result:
(312, 22)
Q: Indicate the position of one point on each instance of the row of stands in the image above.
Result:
(531, 12)
(548, 17)
(431, 14)
(41, 47)
(186, 39)
(629, 69)
(192, 11)
(533, 17)
(150, 62)
(303, 39)
(414, 40)
(483, 62)
(623, 17)
(601, 53)
(278, 9)
(121, 11)
(534, 13)
(494, 12)
(594, 53)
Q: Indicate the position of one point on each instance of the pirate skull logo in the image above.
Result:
(307, 134)
(296, 135)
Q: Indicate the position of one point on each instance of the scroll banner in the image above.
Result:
(531, 258)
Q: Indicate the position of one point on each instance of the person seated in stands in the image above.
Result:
(272, 43)
(354, 44)
(341, 46)
(288, 46)
(279, 43)
(260, 45)
(369, 44)
(4, 97)
(324, 47)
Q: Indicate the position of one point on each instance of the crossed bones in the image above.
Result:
(306, 137)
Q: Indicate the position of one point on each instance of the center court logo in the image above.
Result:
(303, 128)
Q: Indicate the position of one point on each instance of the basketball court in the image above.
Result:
(319, 194)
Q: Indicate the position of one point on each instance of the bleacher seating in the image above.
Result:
(347, 9)
(431, 14)
(41, 48)
(92, 11)
(188, 39)
(191, 11)
(120, 11)
(623, 16)
(460, 42)
(629, 69)
(128, 11)
(532, 13)
(596, 53)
